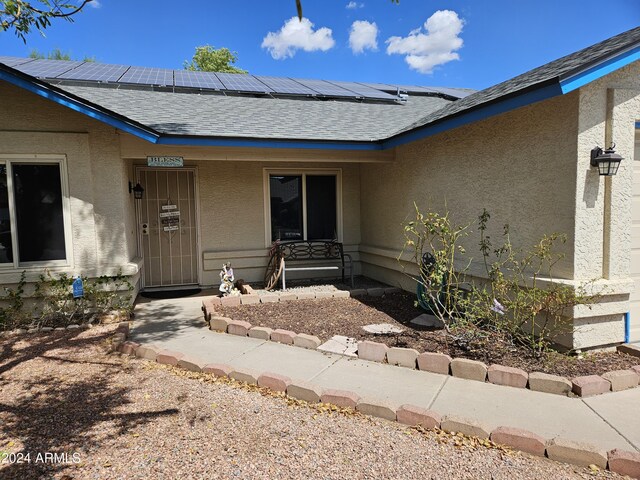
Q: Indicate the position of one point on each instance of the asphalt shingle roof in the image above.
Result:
(259, 117)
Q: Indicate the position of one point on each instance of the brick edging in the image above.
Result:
(441, 363)
(556, 448)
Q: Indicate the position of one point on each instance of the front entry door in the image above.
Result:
(167, 227)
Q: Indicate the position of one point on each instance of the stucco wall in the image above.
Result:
(520, 166)
(232, 212)
(99, 198)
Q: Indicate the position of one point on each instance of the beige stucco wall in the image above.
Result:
(98, 194)
(530, 169)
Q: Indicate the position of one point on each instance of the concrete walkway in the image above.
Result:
(607, 421)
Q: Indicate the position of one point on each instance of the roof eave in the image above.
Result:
(251, 142)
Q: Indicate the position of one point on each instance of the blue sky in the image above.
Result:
(464, 43)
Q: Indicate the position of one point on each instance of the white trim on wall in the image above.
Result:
(61, 161)
(267, 171)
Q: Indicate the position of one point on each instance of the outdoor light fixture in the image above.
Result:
(607, 161)
(137, 190)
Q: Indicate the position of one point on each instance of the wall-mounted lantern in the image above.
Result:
(138, 191)
(607, 161)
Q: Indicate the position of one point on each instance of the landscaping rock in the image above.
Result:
(238, 327)
(46, 329)
(375, 292)
(263, 333)
(341, 398)
(358, 292)
(219, 324)
(148, 352)
(341, 294)
(230, 301)
(508, 376)
(269, 298)
(452, 423)
(382, 329)
(404, 357)
(243, 375)
(73, 326)
(426, 320)
(283, 336)
(191, 364)
(323, 295)
(576, 453)
(434, 362)
(519, 439)
(341, 345)
(543, 382)
(251, 299)
(636, 369)
(303, 340)
(469, 369)
(273, 381)
(372, 351)
(377, 409)
(304, 391)
(590, 385)
(413, 415)
(128, 348)
(629, 349)
(622, 379)
(306, 295)
(218, 369)
(624, 463)
(33, 330)
(208, 308)
(169, 357)
(287, 297)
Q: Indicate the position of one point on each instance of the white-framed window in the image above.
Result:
(34, 212)
(303, 204)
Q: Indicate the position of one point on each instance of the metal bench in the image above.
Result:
(314, 252)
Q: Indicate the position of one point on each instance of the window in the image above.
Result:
(32, 213)
(303, 206)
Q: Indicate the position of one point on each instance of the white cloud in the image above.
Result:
(435, 46)
(95, 4)
(353, 5)
(363, 35)
(297, 35)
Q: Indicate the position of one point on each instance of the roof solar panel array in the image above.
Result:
(47, 68)
(98, 72)
(148, 76)
(202, 80)
(231, 82)
(240, 82)
(286, 86)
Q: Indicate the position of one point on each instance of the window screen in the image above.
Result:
(286, 207)
(321, 207)
(39, 217)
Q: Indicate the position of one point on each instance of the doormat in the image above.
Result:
(159, 294)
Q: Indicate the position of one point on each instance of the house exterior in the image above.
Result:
(227, 168)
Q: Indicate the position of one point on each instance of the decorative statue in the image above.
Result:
(226, 280)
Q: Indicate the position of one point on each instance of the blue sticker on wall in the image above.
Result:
(78, 288)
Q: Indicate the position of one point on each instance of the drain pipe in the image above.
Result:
(627, 327)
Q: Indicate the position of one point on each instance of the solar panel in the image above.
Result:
(286, 86)
(241, 82)
(380, 86)
(417, 89)
(187, 78)
(47, 68)
(454, 92)
(326, 89)
(98, 72)
(148, 76)
(365, 91)
(13, 61)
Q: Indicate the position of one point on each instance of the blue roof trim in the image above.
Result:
(78, 106)
(266, 143)
(580, 79)
(638, 125)
(475, 115)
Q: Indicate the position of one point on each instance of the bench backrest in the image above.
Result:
(312, 250)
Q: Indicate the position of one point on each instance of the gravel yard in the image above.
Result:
(325, 318)
(130, 419)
